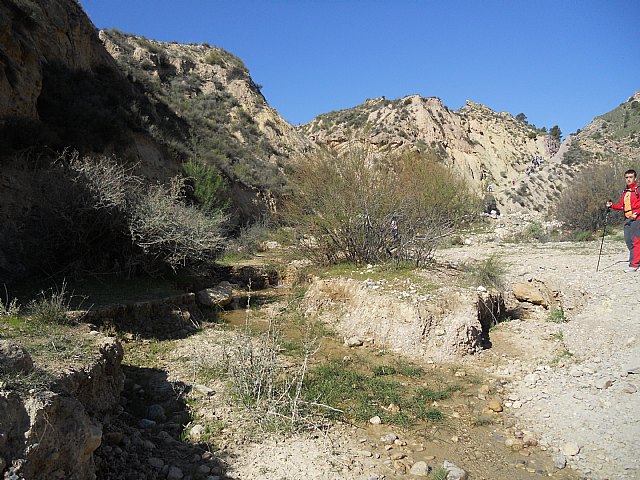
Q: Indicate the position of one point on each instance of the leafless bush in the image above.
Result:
(263, 381)
(93, 215)
(172, 233)
(9, 308)
(365, 209)
(581, 205)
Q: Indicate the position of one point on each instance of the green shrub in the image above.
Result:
(557, 315)
(207, 187)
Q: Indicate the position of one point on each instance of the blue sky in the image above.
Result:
(560, 62)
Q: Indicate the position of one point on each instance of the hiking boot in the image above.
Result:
(630, 269)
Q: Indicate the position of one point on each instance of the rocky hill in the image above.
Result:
(493, 150)
(231, 124)
(614, 136)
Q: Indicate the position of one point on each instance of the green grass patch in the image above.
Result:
(364, 391)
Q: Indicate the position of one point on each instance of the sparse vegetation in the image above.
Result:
(51, 307)
(489, 272)
(581, 205)
(556, 315)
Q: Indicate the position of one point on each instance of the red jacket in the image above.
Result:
(629, 201)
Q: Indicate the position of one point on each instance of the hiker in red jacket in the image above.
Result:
(630, 205)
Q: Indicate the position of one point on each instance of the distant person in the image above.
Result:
(630, 205)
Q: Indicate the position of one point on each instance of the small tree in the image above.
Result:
(206, 186)
(555, 132)
(521, 117)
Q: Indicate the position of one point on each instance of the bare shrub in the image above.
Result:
(581, 205)
(93, 215)
(172, 233)
(9, 308)
(365, 209)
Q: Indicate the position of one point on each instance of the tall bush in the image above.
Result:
(581, 205)
(362, 208)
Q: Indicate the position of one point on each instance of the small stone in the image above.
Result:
(155, 412)
(375, 420)
(204, 389)
(455, 472)
(366, 453)
(397, 456)
(570, 449)
(604, 383)
(196, 432)
(399, 443)
(146, 423)
(400, 467)
(174, 473)
(389, 438)
(420, 469)
(559, 461)
(155, 462)
(483, 389)
(113, 438)
(14, 358)
(354, 342)
(629, 388)
(204, 469)
(460, 373)
(495, 405)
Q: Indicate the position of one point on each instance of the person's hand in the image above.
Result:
(609, 203)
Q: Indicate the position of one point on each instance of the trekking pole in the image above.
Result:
(606, 217)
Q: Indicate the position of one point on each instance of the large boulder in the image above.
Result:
(531, 293)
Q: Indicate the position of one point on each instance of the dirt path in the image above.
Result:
(578, 396)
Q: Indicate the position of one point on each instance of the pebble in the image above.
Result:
(455, 472)
(155, 462)
(174, 473)
(375, 420)
(559, 461)
(604, 383)
(571, 449)
(495, 405)
(389, 438)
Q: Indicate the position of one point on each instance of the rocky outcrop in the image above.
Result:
(52, 432)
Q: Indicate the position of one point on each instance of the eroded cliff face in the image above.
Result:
(33, 34)
(231, 124)
(60, 88)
